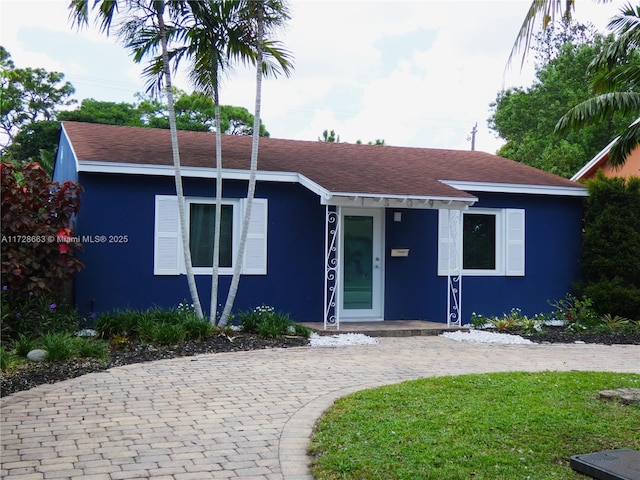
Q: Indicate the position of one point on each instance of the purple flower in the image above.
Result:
(52, 306)
(31, 294)
(18, 315)
(5, 288)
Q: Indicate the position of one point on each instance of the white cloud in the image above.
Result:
(416, 73)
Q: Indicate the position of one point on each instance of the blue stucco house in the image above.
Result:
(339, 232)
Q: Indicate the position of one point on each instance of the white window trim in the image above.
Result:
(168, 256)
(510, 243)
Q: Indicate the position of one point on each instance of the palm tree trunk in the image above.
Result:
(193, 289)
(233, 289)
(216, 236)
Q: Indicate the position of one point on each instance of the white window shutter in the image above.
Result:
(166, 241)
(255, 254)
(448, 248)
(515, 251)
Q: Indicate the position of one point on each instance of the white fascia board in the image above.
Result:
(73, 151)
(599, 156)
(195, 172)
(577, 191)
(594, 161)
(346, 199)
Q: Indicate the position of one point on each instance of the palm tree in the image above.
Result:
(146, 18)
(615, 85)
(258, 13)
(217, 35)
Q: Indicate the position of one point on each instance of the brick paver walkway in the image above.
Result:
(236, 415)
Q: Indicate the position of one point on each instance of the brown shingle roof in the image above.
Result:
(338, 167)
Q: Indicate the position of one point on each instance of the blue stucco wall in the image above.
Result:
(552, 243)
(120, 275)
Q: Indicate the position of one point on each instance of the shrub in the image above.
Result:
(168, 333)
(614, 296)
(613, 323)
(23, 345)
(59, 346)
(33, 316)
(117, 323)
(36, 218)
(578, 313)
(611, 246)
(196, 329)
(4, 358)
(264, 321)
(90, 348)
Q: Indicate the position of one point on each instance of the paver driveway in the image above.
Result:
(236, 415)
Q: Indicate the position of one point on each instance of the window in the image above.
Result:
(491, 242)
(478, 241)
(202, 218)
(168, 253)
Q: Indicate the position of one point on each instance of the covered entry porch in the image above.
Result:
(356, 254)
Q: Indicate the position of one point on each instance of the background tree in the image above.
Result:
(35, 142)
(28, 95)
(377, 141)
(329, 137)
(526, 118)
(196, 111)
(111, 113)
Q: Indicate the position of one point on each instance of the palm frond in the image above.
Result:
(623, 146)
(599, 107)
(623, 77)
(544, 11)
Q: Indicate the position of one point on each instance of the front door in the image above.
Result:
(362, 265)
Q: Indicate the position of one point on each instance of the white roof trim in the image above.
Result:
(168, 171)
(594, 161)
(577, 191)
(396, 201)
(73, 151)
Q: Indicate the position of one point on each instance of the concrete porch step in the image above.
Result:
(390, 328)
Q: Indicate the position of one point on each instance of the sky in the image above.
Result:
(415, 73)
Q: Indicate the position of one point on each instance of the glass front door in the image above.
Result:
(362, 264)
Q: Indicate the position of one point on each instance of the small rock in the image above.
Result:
(37, 355)
(623, 395)
(86, 332)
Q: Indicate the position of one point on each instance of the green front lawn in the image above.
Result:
(495, 426)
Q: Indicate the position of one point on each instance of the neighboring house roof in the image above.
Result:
(599, 162)
(331, 169)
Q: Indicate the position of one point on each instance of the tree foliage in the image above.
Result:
(526, 118)
(28, 95)
(38, 257)
(615, 73)
(611, 246)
